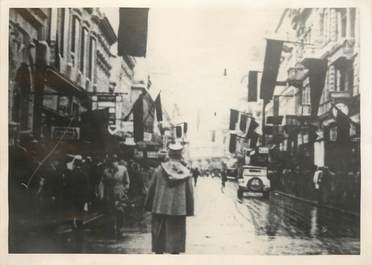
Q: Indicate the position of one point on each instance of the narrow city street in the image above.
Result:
(254, 226)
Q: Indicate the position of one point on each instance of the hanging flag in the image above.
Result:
(179, 131)
(254, 139)
(232, 144)
(132, 39)
(243, 122)
(213, 136)
(252, 86)
(276, 106)
(158, 108)
(252, 128)
(343, 127)
(138, 124)
(234, 116)
(271, 68)
(317, 74)
(185, 127)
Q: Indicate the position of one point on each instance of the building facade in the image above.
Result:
(331, 137)
(68, 53)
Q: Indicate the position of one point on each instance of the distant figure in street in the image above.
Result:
(223, 180)
(318, 174)
(170, 199)
(195, 175)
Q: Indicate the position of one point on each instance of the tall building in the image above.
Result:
(319, 129)
(66, 60)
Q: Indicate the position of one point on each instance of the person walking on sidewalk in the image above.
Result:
(318, 174)
(170, 199)
(116, 183)
(195, 175)
(223, 180)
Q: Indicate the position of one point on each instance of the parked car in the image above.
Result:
(254, 179)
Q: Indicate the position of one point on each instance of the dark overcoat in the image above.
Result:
(170, 196)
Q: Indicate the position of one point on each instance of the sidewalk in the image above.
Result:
(313, 202)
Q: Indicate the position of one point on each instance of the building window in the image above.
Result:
(62, 21)
(75, 39)
(92, 58)
(326, 25)
(345, 77)
(352, 22)
(341, 23)
(306, 95)
(83, 56)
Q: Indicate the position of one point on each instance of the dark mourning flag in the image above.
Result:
(317, 74)
(179, 131)
(271, 68)
(159, 112)
(252, 86)
(232, 144)
(132, 37)
(234, 116)
(138, 124)
(243, 122)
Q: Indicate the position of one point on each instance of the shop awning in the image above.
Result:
(66, 87)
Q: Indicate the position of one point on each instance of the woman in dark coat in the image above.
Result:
(170, 199)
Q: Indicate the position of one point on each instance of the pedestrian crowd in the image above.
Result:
(326, 185)
(67, 188)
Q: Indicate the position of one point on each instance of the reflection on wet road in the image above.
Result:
(226, 225)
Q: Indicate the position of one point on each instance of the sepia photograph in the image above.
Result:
(194, 131)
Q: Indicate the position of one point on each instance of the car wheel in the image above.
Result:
(255, 184)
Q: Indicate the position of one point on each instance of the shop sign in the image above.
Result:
(63, 106)
(106, 98)
(306, 138)
(66, 133)
(127, 126)
(147, 137)
(333, 134)
(138, 154)
(129, 141)
(50, 101)
(299, 139)
(263, 150)
(152, 154)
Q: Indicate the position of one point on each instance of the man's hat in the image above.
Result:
(177, 146)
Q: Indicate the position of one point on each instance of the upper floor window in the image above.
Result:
(306, 95)
(326, 25)
(352, 12)
(344, 77)
(83, 52)
(92, 58)
(341, 22)
(76, 25)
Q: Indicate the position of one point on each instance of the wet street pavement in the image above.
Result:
(223, 224)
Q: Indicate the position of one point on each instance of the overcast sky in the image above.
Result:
(188, 50)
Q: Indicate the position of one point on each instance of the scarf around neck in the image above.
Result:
(175, 170)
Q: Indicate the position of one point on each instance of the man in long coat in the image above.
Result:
(170, 199)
